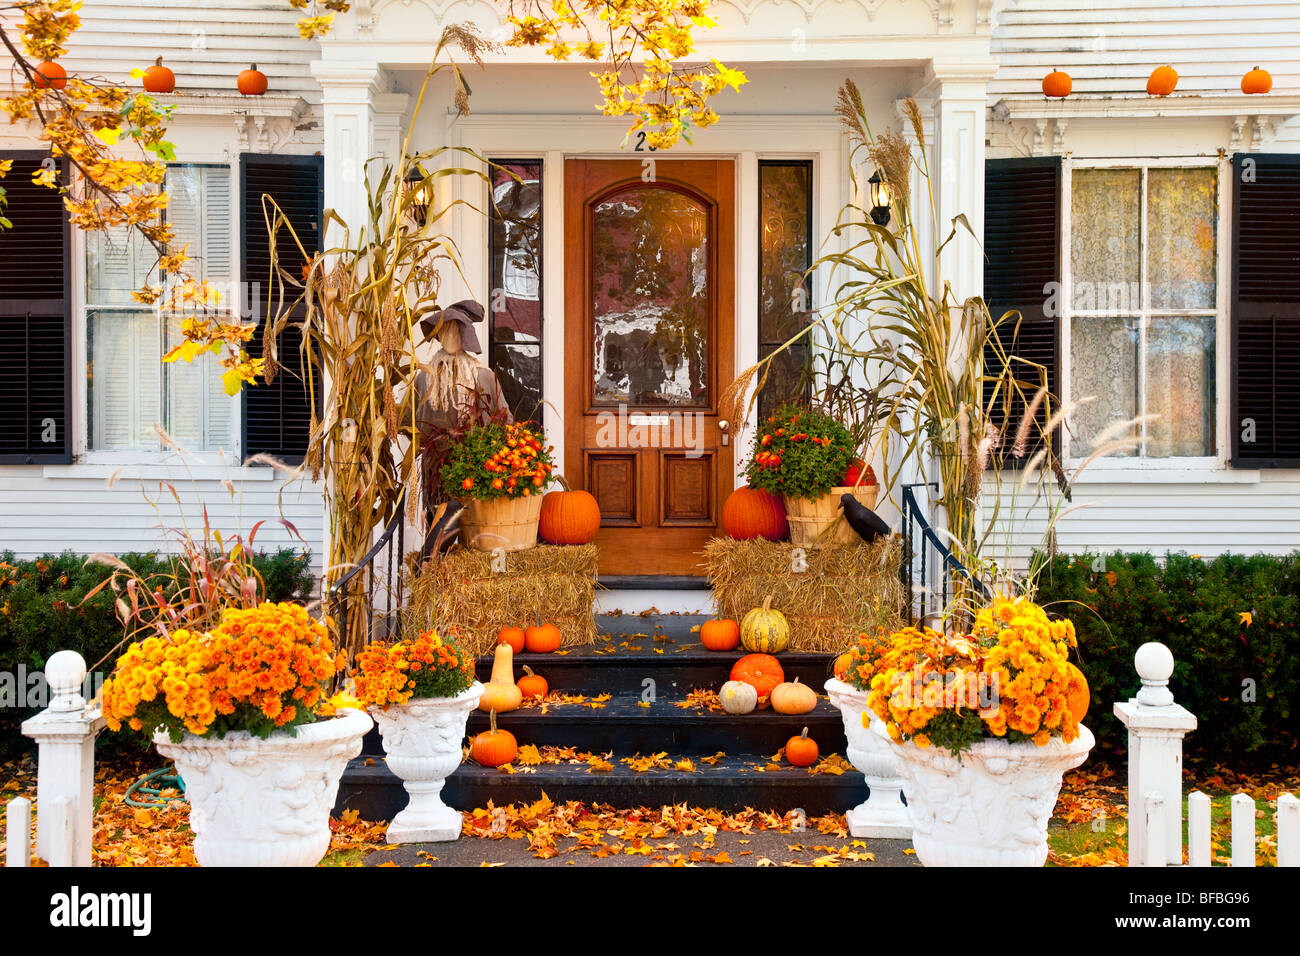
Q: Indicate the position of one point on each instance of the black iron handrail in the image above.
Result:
(930, 541)
(339, 591)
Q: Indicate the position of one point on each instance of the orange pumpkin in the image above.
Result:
(720, 634)
(514, 636)
(859, 469)
(1057, 84)
(568, 517)
(802, 750)
(1077, 694)
(1257, 81)
(533, 685)
(762, 671)
(542, 638)
(842, 664)
(754, 513)
(1163, 81)
(251, 82)
(50, 75)
(158, 78)
(494, 747)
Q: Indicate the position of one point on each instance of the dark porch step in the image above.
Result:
(629, 653)
(621, 724)
(733, 784)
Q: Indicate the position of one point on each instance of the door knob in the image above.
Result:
(723, 426)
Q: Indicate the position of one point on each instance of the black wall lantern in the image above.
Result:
(418, 193)
(879, 191)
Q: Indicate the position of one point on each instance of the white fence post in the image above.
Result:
(1288, 830)
(1155, 823)
(1156, 727)
(65, 734)
(18, 833)
(1243, 830)
(1198, 829)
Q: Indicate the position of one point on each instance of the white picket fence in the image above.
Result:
(66, 733)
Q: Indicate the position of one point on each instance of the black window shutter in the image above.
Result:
(35, 320)
(1022, 273)
(277, 417)
(1265, 315)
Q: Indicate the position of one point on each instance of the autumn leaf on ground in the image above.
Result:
(685, 764)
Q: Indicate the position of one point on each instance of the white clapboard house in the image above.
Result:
(1153, 245)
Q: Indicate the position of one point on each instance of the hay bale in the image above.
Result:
(843, 592)
(463, 591)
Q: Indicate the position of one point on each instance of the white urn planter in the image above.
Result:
(882, 815)
(422, 739)
(257, 802)
(991, 807)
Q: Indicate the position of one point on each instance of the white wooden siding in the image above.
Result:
(205, 44)
(40, 513)
(1202, 517)
(1111, 46)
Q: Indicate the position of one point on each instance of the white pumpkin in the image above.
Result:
(738, 697)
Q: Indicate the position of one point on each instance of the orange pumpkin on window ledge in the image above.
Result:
(158, 78)
(1057, 84)
(1163, 81)
(50, 75)
(1257, 81)
(251, 82)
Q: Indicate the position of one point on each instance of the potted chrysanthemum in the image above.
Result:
(499, 471)
(242, 711)
(420, 692)
(985, 724)
(808, 458)
(883, 814)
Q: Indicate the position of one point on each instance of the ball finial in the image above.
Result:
(1155, 665)
(65, 671)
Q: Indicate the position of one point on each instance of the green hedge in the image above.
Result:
(41, 610)
(1195, 607)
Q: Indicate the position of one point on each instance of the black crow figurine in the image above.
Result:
(862, 519)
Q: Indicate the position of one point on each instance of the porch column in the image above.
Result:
(958, 92)
(349, 108)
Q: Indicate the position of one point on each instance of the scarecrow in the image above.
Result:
(454, 388)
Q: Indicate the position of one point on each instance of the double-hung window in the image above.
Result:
(1143, 310)
(128, 387)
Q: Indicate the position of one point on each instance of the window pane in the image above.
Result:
(784, 250)
(516, 253)
(787, 380)
(1180, 386)
(519, 369)
(1103, 366)
(124, 366)
(1105, 239)
(650, 288)
(1182, 226)
(129, 389)
(117, 263)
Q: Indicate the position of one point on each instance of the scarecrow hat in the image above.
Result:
(466, 312)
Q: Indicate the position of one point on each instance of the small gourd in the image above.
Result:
(533, 685)
(500, 693)
(765, 630)
(802, 750)
(738, 697)
(793, 698)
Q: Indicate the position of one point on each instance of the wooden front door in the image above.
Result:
(649, 346)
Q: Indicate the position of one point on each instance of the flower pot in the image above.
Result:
(422, 739)
(883, 814)
(265, 802)
(506, 523)
(991, 807)
(809, 517)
